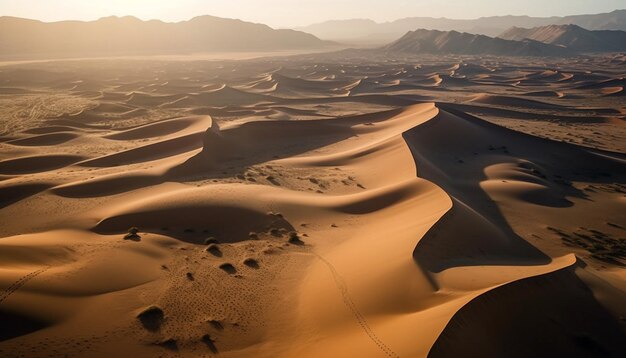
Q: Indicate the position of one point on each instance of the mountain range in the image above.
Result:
(129, 35)
(572, 37)
(553, 40)
(454, 42)
(365, 31)
(122, 36)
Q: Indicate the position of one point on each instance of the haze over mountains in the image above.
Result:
(129, 35)
(553, 40)
(364, 31)
(123, 36)
(453, 42)
(571, 36)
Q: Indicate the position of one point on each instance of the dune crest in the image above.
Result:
(318, 205)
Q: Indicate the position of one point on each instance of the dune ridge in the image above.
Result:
(315, 206)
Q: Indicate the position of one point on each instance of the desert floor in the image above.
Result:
(328, 205)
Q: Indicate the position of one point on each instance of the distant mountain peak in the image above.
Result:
(129, 35)
(115, 17)
(424, 41)
(571, 36)
(368, 30)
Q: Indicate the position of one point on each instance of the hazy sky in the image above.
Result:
(287, 13)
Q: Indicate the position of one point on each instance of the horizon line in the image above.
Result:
(300, 26)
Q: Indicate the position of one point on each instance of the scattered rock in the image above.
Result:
(210, 342)
(214, 250)
(278, 215)
(151, 318)
(170, 344)
(272, 180)
(295, 239)
(210, 240)
(270, 251)
(216, 324)
(252, 263)
(228, 268)
(132, 234)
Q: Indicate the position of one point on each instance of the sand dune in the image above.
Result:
(162, 128)
(35, 164)
(318, 205)
(158, 150)
(44, 139)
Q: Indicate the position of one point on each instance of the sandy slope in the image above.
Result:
(312, 206)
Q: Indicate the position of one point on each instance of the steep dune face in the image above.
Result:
(313, 207)
(486, 314)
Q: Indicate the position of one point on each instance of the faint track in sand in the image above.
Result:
(347, 300)
(7, 292)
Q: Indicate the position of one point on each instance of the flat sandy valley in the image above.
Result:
(327, 205)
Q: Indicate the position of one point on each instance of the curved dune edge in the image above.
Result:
(403, 246)
(522, 302)
(49, 139)
(377, 327)
(37, 164)
(355, 317)
(180, 125)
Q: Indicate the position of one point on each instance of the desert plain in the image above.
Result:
(345, 204)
